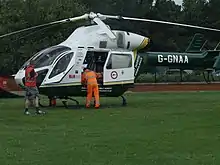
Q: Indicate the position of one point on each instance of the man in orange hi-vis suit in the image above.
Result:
(89, 78)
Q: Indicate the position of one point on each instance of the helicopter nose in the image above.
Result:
(19, 78)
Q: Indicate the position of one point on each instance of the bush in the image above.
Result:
(175, 77)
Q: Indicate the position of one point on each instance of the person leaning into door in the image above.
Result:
(89, 78)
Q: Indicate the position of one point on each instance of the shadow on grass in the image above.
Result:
(82, 107)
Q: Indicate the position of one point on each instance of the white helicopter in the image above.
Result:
(110, 52)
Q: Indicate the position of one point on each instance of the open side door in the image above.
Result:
(119, 68)
(59, 69)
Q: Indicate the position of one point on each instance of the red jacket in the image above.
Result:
(30, 76)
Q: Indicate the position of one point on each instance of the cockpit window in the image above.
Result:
(47, 56)
(61, 65)
(34, 56)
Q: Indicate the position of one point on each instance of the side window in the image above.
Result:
(61, 65)
(117, 61)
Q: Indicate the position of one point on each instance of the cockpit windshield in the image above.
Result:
(47, 56)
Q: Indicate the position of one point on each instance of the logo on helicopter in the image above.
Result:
(114, 75)
(101, 89)
(175, 59)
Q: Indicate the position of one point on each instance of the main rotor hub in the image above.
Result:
(93, 15)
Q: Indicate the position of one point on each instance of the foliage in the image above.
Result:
(16, 49)
(176, 77)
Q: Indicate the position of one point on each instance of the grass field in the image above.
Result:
(155, 128)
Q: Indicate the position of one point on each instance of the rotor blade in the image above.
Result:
(155, 21)
(105, 28)
(85, 16)
(32, 33)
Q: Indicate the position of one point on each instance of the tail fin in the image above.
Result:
(197, 43)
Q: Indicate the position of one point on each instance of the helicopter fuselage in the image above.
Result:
(60, 67)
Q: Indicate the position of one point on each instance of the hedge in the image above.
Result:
(194, 77)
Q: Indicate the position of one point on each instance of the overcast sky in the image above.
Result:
(179, 2)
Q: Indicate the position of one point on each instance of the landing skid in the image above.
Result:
(65, 102)
(77, 104)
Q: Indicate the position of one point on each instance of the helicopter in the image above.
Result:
(195, 57)
(114, 53)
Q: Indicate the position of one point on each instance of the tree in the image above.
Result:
(18, 48)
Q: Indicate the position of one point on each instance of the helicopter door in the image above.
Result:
(59, 69)
(119, 68)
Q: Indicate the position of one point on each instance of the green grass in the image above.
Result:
(155, 128)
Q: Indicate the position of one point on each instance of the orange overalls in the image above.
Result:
(90, 78)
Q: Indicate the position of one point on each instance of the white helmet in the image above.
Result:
(84, 66)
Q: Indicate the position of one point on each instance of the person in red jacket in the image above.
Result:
(31, 90)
